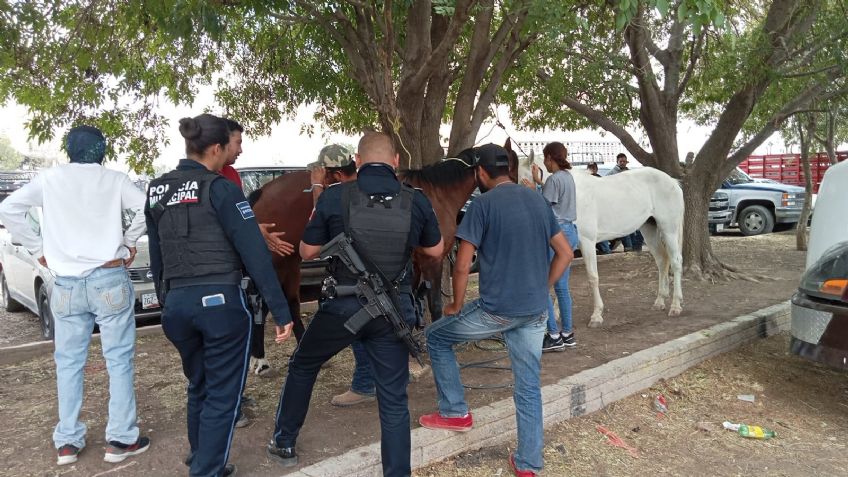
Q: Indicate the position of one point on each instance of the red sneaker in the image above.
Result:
(67, 454)
(519, 473)
(436, 421)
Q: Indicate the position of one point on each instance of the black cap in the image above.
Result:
(492, 155)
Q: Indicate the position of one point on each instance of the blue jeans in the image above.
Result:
(105, 297)
(523, 337)
(633, 241)
(363, 375)
(561, 288)
(604, 247)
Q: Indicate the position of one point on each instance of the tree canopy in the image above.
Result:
(10, 158)
(405, 67)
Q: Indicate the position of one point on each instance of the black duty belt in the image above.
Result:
(230, 278)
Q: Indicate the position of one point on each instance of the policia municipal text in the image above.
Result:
(202, 235)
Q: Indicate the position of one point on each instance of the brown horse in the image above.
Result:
(448, 185)
(286, 201)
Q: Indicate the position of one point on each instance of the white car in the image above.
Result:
(820, 307)
(25, 284)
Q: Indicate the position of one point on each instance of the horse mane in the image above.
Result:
(444, 173)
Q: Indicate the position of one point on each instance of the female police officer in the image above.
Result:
(190, 211)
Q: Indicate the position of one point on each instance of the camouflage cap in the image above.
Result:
(334, 155)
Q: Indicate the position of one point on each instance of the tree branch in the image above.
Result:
(605, 122)
(791, 108)
(694, 56)
(445, 46)
(802, 74)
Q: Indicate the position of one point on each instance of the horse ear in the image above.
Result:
(508, 144)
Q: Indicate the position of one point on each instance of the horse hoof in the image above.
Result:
(658, 306)
(675, 311)
(595, 323)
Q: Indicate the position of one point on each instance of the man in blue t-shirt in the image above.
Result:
(511, 228)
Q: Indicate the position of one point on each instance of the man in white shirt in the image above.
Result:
(83, 243)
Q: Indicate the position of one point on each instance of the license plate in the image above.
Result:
(149, 300)
(719, 227)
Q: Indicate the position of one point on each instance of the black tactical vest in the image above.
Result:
(379, 226)
(192, 241)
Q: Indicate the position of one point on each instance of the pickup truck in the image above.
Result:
(756, 207)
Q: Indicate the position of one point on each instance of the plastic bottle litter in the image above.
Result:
(660, 405)
(753, 432)
(746, 397)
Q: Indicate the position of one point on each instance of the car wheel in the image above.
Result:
(475, 266)
(756, 220)
(45, 316)
(9, 304)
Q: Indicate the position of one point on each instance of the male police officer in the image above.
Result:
(386, 221)
(202, 234)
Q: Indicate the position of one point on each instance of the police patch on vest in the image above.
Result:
(245, 210)
(186, 194)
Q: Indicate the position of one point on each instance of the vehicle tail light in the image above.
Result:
(828, 277)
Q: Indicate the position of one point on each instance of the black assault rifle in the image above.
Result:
(372, 292)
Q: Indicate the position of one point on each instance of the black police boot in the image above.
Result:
(283, 455)
(229, 470)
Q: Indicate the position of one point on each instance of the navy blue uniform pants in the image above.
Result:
(324, 338)
(214, 344)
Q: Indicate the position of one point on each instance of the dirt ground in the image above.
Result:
(803, 402)
(628, 285)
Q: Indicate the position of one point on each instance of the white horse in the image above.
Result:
(610, 207)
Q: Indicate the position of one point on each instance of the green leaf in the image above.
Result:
(662, 7)
(620, 21)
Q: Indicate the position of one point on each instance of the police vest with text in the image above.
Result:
(379, 226)
(191, 238)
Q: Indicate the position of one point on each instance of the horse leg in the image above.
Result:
(657, 248)
(590, 261)
(671, 241)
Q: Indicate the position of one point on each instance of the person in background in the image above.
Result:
(335, 165)
(602, 247)
(593, 169)
(202, 234)
(559, 190)
(511, 228)
(620, 164)
(634, 241)
(83, 243)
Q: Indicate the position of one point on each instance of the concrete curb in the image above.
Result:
(13, 354)
(574, 396)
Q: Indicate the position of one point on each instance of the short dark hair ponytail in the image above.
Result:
(203, 131)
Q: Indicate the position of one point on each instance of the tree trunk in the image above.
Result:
(801, 232)
(806, 129)
(698, 257)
